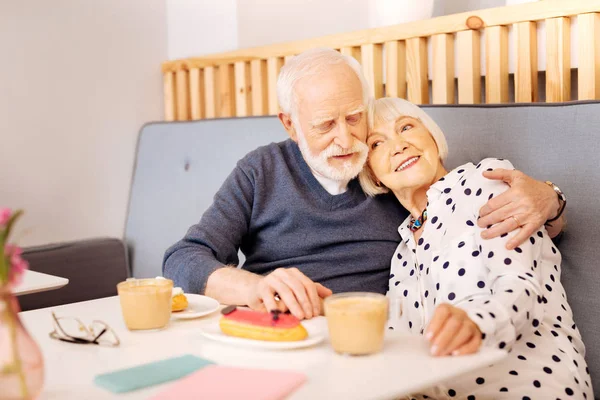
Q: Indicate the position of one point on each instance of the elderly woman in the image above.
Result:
(462, 292)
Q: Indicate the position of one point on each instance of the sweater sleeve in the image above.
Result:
(513, 304)
(213, 243)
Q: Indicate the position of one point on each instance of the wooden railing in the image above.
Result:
(243, 82)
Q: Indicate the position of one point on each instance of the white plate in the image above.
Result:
(198, 306)
(316, 327)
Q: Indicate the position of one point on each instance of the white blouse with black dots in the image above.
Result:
(514, 296)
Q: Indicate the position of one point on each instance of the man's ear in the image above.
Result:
(286, 121)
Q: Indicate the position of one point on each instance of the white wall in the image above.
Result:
(262, 22)
(197, 27)
(78, 78)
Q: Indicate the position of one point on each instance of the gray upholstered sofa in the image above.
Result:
(180, 165)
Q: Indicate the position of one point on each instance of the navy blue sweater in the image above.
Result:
(274, 210)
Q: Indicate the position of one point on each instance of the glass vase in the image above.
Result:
(21, 362)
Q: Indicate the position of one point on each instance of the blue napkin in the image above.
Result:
(154, 373)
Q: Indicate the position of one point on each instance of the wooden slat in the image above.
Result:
(372, 63)
(169, 95)
(443, 69)
(274, 64)
(210, 93)
(395, 69)
(352, 52)
(496, 63)
(258, 72)
(183, 95)
(287, 58)
(532, 11)
(226, 91)
(469, 67)
(526, 73)
(243, 92)
(196, 93)
(558, 59)
(416, 70)
(589, 56)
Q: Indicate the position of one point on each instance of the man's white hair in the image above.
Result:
(389, 109)
(311, 63)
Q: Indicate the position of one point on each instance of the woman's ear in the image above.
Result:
(288, 125)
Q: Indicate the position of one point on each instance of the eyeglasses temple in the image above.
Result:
(95, 340)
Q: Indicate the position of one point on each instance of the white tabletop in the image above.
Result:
(403, 367)
(34, 282)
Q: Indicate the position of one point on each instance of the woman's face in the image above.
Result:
(403, 154)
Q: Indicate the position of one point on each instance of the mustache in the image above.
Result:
(336, 150)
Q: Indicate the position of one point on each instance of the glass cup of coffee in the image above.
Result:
(145, 303)
(356, 322)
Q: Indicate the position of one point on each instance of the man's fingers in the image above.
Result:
(323, 291)
(524, 233)
(499, 213)
(322, 304)
(311, 291)
(287, 296)
(469, 348)
(261, 307)
(280, 304)
(501, 174)
(267, 294)
(440, 315)
(510, 196)
(445, 335)
(493, 205)
(506, 226)
(300, 292)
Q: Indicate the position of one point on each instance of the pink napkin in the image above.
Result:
(229, 383)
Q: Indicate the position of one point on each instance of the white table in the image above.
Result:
(34, 282)
(403, 367)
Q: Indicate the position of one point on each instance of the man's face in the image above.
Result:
(331, 123)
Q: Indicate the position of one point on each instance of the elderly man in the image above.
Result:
(297, 212)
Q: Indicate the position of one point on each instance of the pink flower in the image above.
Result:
(17, 264)
(10, 249)
(17, 269)
(5, 214)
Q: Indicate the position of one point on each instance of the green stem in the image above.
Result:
(12, 326)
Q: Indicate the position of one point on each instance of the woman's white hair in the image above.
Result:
(311, 63)
(389, 109)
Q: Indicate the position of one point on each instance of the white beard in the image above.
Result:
(320, 163)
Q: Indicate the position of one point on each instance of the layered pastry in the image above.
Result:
(274, 326)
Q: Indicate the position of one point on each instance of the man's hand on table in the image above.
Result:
(528, 204)
(297, 293)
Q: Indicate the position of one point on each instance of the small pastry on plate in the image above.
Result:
(178, 300)
(274, 326)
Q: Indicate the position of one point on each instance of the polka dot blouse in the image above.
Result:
(514, 296)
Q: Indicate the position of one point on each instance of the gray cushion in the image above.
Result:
(180, 166)
(93, 267)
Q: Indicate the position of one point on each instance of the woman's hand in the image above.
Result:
(451, 331)
(528, 204)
